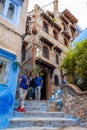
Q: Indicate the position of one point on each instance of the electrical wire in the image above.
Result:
(42, 7)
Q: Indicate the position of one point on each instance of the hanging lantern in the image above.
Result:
(34, 30)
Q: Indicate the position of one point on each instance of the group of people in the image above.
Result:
(33, 84)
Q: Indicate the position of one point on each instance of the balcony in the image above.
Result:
(46, 17)
(73, 27)
(45, 63)
(50, 20)
(64, 19)
(46, 41)
(50, 40)
(58, 27)
(70, 16)
(66, 33)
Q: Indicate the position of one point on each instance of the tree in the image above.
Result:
(75, 65)
(37, 69)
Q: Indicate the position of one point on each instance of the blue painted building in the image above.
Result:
(8, 81)
(13, 15)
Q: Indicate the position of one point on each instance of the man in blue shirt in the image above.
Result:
(23, 88)
(38, 82)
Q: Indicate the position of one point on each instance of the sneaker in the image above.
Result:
(18, 109)
(22, 109)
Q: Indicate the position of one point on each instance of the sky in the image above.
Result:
(77, 7)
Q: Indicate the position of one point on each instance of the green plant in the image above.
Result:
(37, 69)
(18, 63)
(53, 19)
(75, 65)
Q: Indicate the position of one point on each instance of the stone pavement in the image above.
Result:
(73, 128)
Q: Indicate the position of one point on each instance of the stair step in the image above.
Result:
(34, 102)
(33, 108)
(38, 114)
(34, 105)
(34, 128)
(38, 105)
(41, 122)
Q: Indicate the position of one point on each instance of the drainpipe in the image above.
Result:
(34, 32)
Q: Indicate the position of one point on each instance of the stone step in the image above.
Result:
(34, 128)
(41, 114)
(33, 108)
(41, 122)
(41, 105)
(34, 102)
(34, 105)
(37, 102)
(38, 114)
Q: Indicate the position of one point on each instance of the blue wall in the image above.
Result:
(8, 88)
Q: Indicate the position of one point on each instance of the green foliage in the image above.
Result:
(36, 69)
(75, 64)
(53, 19)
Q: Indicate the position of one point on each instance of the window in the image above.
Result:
(56, 80)
(10, 13)
(23, 52)
(64, 26)
(45, 52)
(4, 69)
(45, 27)
(2, 4)
(10, 10)
(73, 33)
(65, 42)
(55, 34)
(57, 59)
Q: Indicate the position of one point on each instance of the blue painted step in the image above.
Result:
(38, 114)
(41, 122)
(34, 102)
(34, 128)
(37, 117)
(34, 105)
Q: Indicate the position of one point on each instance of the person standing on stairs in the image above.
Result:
(32, 88)
(23, 89)
(38, 82)
(62, 82)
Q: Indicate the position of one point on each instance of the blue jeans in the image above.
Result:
(31, 92)
(38, 93)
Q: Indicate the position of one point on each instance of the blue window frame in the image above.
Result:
(10, 10)
(6, 60)
(2, 4)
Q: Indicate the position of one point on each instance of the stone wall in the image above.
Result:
(75, 101)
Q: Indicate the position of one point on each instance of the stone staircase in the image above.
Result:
(40, 115)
